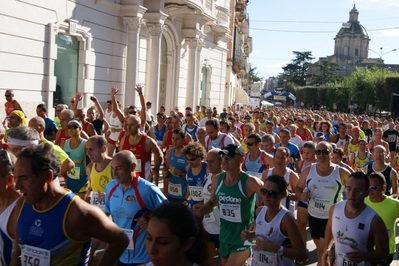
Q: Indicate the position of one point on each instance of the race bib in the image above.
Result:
(319, 204)
(74, 173)
(98, 199)
(342, 260)
(34, 256)
(175, 190)
(230, 212)
(129, 233)
(209, 218)
(138, 166)
(196, 193)
(258, 175)
(261, 258)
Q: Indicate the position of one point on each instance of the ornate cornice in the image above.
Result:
(134, 23)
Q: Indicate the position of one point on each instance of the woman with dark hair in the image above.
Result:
(278, 240)
(175, 237)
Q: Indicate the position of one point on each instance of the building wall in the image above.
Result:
(28, 52)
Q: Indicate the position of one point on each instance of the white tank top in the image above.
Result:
(116, 124)
(270, 230)
(324, 191)
(211, 220)
(4, 217)
(348, 232)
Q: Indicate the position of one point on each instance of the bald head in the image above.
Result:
(125, 157)
(37, 123)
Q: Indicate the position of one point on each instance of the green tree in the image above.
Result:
(325, 73)
(254, 75)
(295, 72)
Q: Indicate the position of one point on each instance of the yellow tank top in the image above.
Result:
(99, 180)
(359, 163)
(244, 145)
(353, 148)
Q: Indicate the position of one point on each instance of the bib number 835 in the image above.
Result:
(228, 212)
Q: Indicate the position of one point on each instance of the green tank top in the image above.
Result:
(236, 210)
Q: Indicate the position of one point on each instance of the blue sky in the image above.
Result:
(276, 25)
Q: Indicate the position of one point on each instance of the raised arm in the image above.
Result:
(115, 106)
(99, 108)
(143, 117)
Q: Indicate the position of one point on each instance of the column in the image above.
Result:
(153, 68)
(192, 69)
(198, 73)
(132, 57)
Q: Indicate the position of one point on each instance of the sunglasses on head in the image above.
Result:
(270, 193)
(73, 127)
(325, 152)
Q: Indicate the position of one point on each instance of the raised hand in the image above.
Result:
(114, 90)
(139, 88)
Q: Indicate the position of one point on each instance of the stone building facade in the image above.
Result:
(184, 52)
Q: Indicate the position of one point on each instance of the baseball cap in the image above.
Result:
(319, 135)
(232, 149)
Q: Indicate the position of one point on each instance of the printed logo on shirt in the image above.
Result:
(36, 230)
(361, 226)
(130, 198)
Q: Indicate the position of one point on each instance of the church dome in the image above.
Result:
(353, 26)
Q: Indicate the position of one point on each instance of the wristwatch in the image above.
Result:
(280, 251)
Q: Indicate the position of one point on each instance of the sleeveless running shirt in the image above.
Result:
(177, 185)
(43, 239)
(6, 242)
(143, 157)
(196, 184)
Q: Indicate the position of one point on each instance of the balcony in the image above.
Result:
(222, 19)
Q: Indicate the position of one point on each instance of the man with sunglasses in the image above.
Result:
(386, 207)
(358, 232)
(256, 160)
(295, 154)
(324, 182)
(233, 191)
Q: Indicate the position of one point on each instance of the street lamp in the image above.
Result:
(382, 54)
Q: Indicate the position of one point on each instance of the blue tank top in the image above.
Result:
(46, 230)
(177, 185)
(77, 180)
(191, 131)
(256, 166)
(196, 184)
(159, 132)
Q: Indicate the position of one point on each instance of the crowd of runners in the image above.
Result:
(242, 185)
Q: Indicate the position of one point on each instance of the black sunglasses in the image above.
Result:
(73, 127)
(7, 95)
(325, 152)
(132, 113)
(375, 187)
(250, 143)
(192, 159)
(270, 193)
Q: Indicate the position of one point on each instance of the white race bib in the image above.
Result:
(209, 218)
(175, 190)
(129, 233)
(98, 199)
(74, 173)
(258, 175)
(342, 260)
(230, 212)
(261, 258)
(138, 166)
(196, 193)
(319, 204)
(34, 256)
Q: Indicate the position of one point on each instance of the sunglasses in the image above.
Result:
(270, 193)
(192, 159)
(325, 152)
(374, 187)
(58, 110)
(73, 127)
(250, 143)
(228, 156)
(7, 95)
